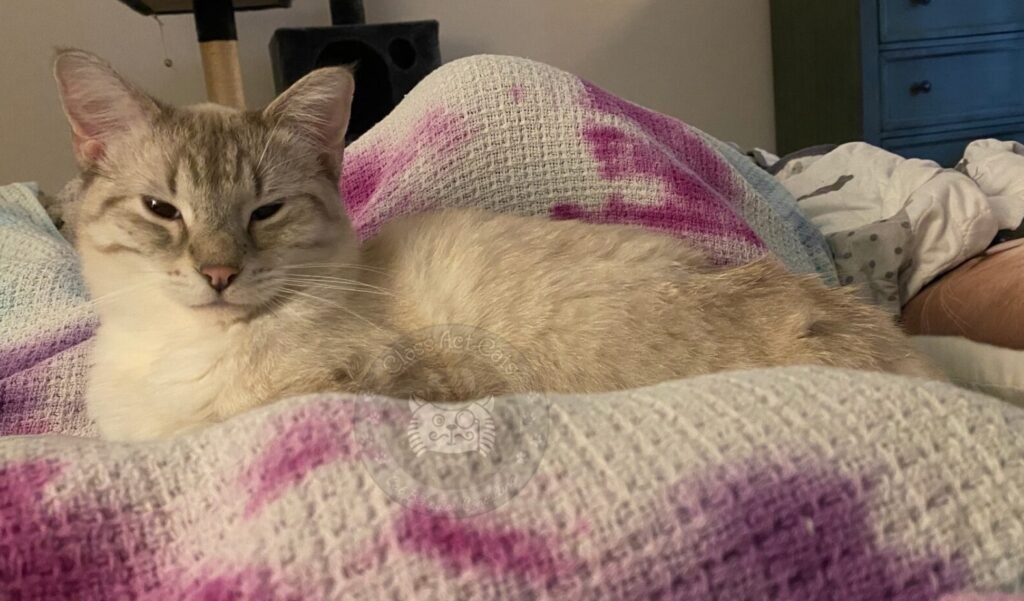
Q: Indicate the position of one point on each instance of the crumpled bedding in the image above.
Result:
(792, 483)
(896, 224)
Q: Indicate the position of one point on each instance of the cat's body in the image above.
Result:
(214, 300)
(586, 308)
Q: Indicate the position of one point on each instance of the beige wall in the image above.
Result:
(705, 61)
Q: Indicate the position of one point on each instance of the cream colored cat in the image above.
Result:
(227, 276)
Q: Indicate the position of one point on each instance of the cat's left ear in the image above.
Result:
(99, 103)
(318, 107)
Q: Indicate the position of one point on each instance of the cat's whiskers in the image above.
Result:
(336, 283)
(323, 286)
(338, 265)
(332, 303)
(278, 305)
(116, 294)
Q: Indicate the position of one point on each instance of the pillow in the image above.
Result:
(978, 366)
(981, 300)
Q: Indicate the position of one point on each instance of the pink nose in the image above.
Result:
(219, 276)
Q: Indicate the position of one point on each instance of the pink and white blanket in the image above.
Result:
(794, 483)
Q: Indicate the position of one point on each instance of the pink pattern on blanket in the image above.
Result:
(369, 172)
(516, 92)
(73, 548)
(784, 532)
(249, 583)
(698, 184)
(27, 379)
(68, 550)
(308, 439)
(982, 597)
(672, 134)
(461, 544)
(47, 344)
(24, 396)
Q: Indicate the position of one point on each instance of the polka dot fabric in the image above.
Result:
(873, 257)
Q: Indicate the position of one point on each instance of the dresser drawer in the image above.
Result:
(902, 20)
(948, 149)
(952, 84)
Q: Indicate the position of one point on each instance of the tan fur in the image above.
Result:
(582, 308)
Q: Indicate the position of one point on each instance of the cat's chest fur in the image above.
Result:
(170, 374)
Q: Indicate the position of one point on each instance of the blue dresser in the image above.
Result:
(921, 78)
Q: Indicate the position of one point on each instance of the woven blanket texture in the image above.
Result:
(781, 484)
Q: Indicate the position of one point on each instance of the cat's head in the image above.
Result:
(210, 207)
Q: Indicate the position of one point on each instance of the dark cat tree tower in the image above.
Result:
(390, 58)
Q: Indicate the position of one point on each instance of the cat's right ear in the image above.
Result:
(99, 103)
(318, 108)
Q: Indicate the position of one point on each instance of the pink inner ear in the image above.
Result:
(88, 149)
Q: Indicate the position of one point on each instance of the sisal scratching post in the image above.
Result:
(218, 39)
(218, 46)
(222, 73)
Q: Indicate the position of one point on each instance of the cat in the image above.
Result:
(226, 276)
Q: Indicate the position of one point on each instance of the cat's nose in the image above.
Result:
(219, 276)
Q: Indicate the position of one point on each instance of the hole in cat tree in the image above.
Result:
(373, 82)
(402, 53)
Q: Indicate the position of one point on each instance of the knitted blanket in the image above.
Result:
(789, 484)
(782, 484)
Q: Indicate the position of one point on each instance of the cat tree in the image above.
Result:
(390, 58)
(218, 39)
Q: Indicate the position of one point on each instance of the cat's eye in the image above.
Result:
(266, 211)
(438, 420)
(161, 209)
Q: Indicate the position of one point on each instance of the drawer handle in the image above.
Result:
(921, 87)
(921, 2)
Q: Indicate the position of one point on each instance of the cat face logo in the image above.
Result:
(451, 430)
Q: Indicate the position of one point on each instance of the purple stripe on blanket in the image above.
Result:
(983, 597)
(64, 552)
(25, 396)
(18, 401)
(372, 170)
(671, 133)
(699, 186)
(690, 203)
(18, 357)
(305, 440)
(516, 92)
(462, 544)
(67, 548)
(783, 533)
(663, 217)
(248, 584)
